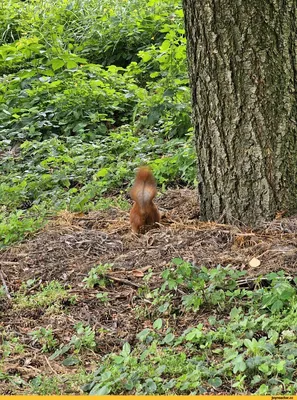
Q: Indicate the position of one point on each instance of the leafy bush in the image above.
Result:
(72, 130)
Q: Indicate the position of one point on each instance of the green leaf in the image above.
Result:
(100, 391)
(118, 359)
(215, 382)
(150, 386)
(177, 261)
(239, 364)
(163, 307)
(263, 389)
(57, 63)
(46, 72)
(145, 56)
(193, 334)
(159, 371)
(71, 64)
(235, 313)
(126, 350)
(101, 173)
(256, 379)
(280, 366)
(165, 45)
(169, 93)
(27, 74)
(277, 306)
(106, 376)
(60, 351)
(158, 323)
(143, 334)
(154, 74)
(70, 361)
(264, 368)
(60, 29)
(168, 338)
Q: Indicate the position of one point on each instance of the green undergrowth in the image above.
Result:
(57, 384)
(210, 331)
(51, 295)
(88, 92)
(58, 174)
(243, 341)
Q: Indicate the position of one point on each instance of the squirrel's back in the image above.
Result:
(144, 211)
(144, 188)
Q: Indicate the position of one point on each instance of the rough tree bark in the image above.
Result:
(242, 58)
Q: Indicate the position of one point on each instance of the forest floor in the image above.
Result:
(72, 244)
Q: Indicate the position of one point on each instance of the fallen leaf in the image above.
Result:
(137, 273)
(254, 262)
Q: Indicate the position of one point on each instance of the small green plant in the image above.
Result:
(83, 339)
(97, 276)
(281, 293)
(58, 384)
(10, 345)
(49, 294)
(45, 338)
(43, 385)
(17, 225)
(103, 297)
(202, 286)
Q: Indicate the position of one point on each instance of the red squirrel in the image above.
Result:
(144, 211)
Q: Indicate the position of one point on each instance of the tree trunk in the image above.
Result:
(242, 58)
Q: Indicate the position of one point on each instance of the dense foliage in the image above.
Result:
(89, 90)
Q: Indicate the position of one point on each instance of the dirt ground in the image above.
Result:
(72, 244)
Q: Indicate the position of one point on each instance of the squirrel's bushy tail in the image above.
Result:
(144, 188)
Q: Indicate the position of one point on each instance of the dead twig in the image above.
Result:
(31, 289)
(124, 281)
(48, 363)
(10, 262)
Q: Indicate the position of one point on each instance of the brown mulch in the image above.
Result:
(71, 244)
